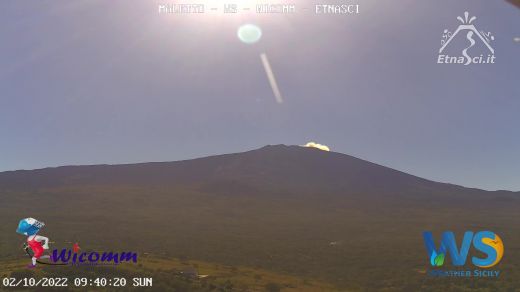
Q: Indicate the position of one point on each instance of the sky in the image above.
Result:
(107, 82)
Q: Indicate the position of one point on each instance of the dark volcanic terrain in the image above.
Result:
(289, 209)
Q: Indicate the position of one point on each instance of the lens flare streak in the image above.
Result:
(271, 78)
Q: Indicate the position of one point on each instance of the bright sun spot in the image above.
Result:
(249, 33)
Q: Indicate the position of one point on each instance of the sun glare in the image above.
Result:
(249, 33)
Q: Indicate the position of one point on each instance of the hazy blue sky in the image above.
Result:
(87, 82)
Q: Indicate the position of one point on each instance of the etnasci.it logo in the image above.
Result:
(468, 33)
(485, 242)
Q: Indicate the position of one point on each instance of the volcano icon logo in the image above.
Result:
(468, 28)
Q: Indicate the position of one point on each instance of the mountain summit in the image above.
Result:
(290, 168)
(291, 209)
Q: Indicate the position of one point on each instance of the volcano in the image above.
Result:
(288, 209)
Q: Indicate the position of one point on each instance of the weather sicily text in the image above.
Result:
(464, 273)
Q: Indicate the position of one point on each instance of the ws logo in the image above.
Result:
(484, 241)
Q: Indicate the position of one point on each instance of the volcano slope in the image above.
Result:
(288, 209)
